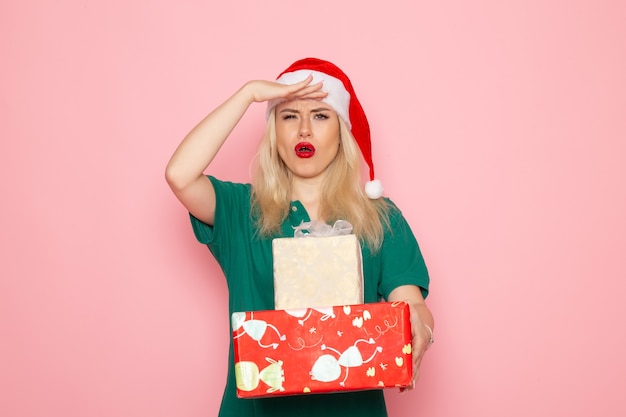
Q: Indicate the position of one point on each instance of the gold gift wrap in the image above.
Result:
(317, 271)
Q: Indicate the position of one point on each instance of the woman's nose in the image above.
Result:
(305, 129)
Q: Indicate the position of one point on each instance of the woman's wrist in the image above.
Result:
(430, 331)
(248, 92)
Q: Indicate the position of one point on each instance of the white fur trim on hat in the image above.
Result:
(338, 97)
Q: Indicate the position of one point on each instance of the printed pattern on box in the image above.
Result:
(314, 350)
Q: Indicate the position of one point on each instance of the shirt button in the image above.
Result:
(294, 208)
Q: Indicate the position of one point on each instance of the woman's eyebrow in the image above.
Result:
(315, 110)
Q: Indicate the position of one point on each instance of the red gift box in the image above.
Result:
(315, 350)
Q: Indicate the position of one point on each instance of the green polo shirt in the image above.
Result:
(246, 260)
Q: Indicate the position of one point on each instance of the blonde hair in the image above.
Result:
(343, 196)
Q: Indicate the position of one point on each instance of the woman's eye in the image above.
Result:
(289, 116)
(321, 116)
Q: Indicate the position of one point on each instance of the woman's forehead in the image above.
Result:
(304, 105)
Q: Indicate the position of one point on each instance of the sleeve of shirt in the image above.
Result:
(229, 198)
(402, 261)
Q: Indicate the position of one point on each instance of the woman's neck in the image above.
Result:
(308, 193)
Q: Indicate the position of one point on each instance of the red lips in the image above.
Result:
(304, 150)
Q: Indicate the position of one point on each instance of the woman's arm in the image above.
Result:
(185, 169)
(422, 322)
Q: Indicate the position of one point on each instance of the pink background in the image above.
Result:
(499, 127)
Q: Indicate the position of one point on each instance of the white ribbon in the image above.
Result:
(320, 229)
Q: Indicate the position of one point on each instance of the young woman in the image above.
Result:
(307, 168)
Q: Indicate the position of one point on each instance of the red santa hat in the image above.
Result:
(342, 98)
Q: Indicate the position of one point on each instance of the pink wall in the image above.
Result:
(499, 127)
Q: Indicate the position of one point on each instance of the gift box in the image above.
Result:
(317, 271)
(316, 350)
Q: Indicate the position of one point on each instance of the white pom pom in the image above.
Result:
(374, 189)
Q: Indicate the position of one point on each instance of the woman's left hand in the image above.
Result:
(422, 324)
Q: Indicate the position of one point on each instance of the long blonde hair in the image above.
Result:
(342, 196)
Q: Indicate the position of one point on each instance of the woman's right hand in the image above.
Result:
(269, 90)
